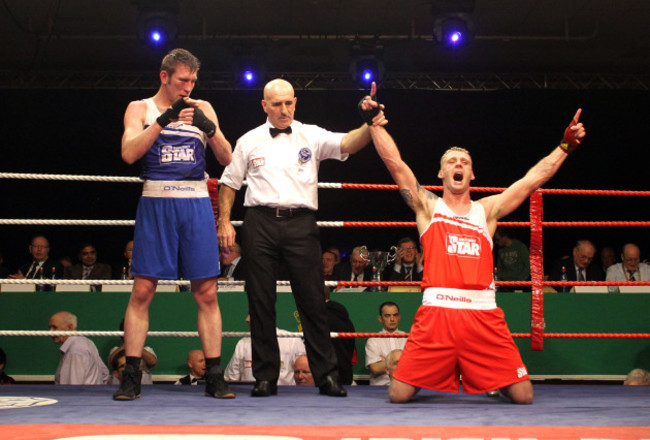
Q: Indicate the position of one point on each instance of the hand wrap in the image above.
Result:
(172, 112)
(202, 122)
(569, 141)
(367, 115)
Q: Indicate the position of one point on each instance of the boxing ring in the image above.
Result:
(560, 411)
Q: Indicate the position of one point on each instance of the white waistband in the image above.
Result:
(175, 188)
(459, 298)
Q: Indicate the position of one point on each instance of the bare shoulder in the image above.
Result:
(136, 108)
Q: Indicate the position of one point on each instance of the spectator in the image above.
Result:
(378, 348)
(88, 268)
(117, 367)
(196, 362)
(638, 376)
(392, 359)
(607, 258)
(148, 360)
(4, 379)
(329, 261)
(232, 268)
(122, 270)
(357, 270)
(409, 264)
(240, 367)
(337, 252)
(579, 267)
(630, 268)
(41, 265)
(301, 372)
(513, 262)
(80, 363)
(339, 321)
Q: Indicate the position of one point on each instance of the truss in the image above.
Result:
(116, 80)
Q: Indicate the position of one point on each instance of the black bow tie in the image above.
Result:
(276, 131)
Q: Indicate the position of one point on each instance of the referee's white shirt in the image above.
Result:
(282, 172)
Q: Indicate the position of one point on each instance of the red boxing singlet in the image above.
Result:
(459, 249)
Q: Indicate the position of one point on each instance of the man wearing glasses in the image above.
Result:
(40, 264)
(409, 264)
(630, 269)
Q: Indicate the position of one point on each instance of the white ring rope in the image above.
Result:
(178, 334)
(79, 178)
(89, 178)
(128, 282)
(72, 222)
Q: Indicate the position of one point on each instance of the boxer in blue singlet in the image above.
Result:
(175, 230)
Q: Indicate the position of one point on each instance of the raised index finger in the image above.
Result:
(373, 91)
(576, 117)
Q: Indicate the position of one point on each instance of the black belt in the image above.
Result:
(282, 212)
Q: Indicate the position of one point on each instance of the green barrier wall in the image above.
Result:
(580, 313)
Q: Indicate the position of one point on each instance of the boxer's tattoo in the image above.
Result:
(407, 196)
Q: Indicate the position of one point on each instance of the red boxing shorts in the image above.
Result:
(445, 344)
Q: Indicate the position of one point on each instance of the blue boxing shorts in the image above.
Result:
(175, 237)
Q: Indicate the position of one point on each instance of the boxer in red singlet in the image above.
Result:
(459, 331)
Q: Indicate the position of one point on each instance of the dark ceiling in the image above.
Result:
(592, 40)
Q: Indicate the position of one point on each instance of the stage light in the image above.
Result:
(453, 31)
(248, 71)
(365, 70)
(453, 26)
(249, 76)
(157, 22)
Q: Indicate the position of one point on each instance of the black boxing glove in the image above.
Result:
(172, 112)
(367, 115)
(202, 122)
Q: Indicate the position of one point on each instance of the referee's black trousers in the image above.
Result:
(295, 239)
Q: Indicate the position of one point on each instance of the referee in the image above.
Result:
(280, 161)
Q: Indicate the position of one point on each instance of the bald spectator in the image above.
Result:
(638, 376)
(80, 363)
(630, 268)
(196, 362)
(301, 372)
(392, 359)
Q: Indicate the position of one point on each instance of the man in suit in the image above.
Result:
(196, 362)
(409, 264)
(578, 267)
(232, 268)
(41, 266)
(357, 270)
(88, 268)
(339, 320)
